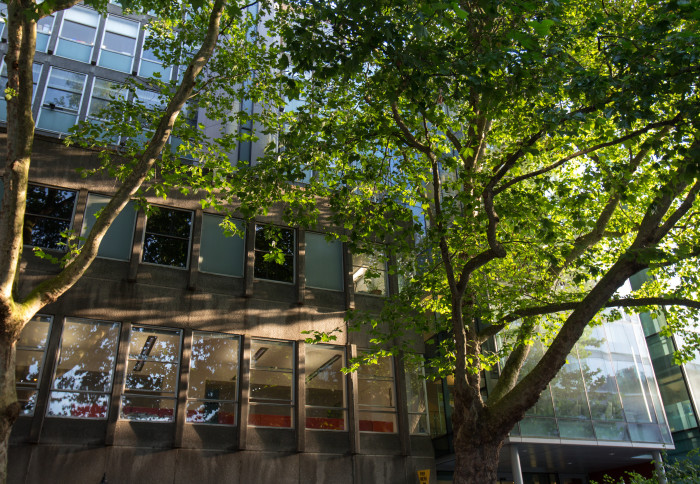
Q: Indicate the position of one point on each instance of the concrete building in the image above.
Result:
(179, 356)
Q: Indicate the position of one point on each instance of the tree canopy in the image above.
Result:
(519, 160)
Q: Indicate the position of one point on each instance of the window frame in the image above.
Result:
(112, 372)
(384, 273)
(105, 30)
(70, 221)
(236, 401)
(293, 255)
(379, 408)
(42, 365)
(342, 264)
(189, 240)
(60, 36)
(344, 408)
(253, 401)
(83, 227)
(176, 364)
(243, 254)
(42, 107)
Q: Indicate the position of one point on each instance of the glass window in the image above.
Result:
(61, 104)
(48, 214)
(325, 388)
(118, 44)
(117, 242)
(568, 390)
(274, 253)
(271, 383)
(369, 274)
(324, 262)
(31, 351)
(44, 27)
(167, 238)
(150, 391)
(36, 73)
(213, 386)
(218, 253)
(3, 16)
(104, 91)
(83, 380)
(416, 395)
(376, 396)
(188, 118)
(77, 35)
(151, 66)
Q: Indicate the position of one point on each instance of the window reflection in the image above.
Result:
(150, 391)
(325, 387)
(49, 212)
(83, 379)
(416, 394)
(369, 274)
(271, 383)
(213, 386)
(77, 35)
(377, 397)
(167, 238)
(274, 253)
(31, 351)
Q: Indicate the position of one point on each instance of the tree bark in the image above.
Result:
(9, 406)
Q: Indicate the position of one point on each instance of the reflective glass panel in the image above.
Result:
(271, 383)
(376, 396)
(324, 262)
(213, 383)
(117, 242)
(416, 395)
(167, 238)
(151, 375)
(369, 274)
(219, 253)
(49, 212)
(274, 253)
(325, 387)
(29, 361)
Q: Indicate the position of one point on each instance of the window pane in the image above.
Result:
(416, 395)
(87, 355)
(324, 262)
(49, 212)
(277, 244)
(325, 418)
(76, 32)
(325, 382)
(271, 383)
(61, 100)
(213, 377)
(218, 253)
(374, 421)
(44, 27)
(82, 15)
(31, 350)
(78, 405)
(151, 375)
(117, 242)
(376, 396)
(369, 274)
(167, 239)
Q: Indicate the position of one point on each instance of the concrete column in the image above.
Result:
(300, 278)
(250, 259)
(193, 272)
(659, 465)
(118, 384)
(181, 415)
(515, 464)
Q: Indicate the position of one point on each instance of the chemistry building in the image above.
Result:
(179, 357)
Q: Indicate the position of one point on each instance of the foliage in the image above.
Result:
(681, 471)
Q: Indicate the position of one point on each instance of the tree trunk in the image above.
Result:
(476, 462)
(9, 407)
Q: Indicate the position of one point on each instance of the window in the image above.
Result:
(213, 387)
(188, 118)
(103, 91)
(3, 16)
(151, 66)
(44, 27)
(61, 104)
(416, 395)
(274, 253)
(325, 388)
(167, 238)
(376, 396)
(77, 35)
(36, 73)
(117, 242)
(118, 44)
(218, 253)
(83, 379)
(49, 214)
(324, 262)
(369, 274)
(31, 351)
(271, 383)
(150, 392)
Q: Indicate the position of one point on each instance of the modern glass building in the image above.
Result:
(602, 411)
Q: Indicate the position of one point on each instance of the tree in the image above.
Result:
(223, 60)
(552, 148)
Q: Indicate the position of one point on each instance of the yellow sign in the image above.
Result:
(424, 476)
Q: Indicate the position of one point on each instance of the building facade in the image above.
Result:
(180, 355)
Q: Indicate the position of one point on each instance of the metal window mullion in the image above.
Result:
(96, 392)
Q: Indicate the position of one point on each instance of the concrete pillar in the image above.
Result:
(659, 465)
(515, 464)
